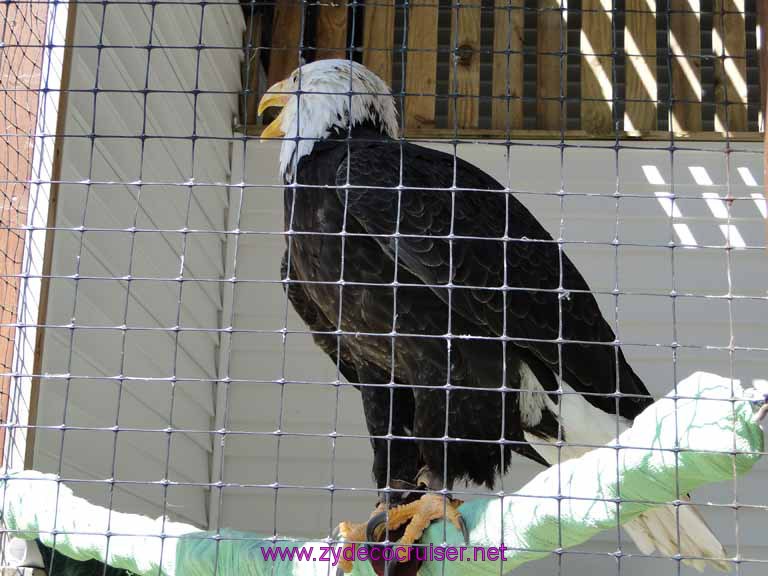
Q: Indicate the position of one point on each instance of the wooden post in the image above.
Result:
(332, 31)
(551, 33)
(641, 82)
(253, 66)
(507, 83)
(596, 69)
(421, 66)
(729, 46)
(379, 38)
(464, 109)
(286, 36)
(685, 47)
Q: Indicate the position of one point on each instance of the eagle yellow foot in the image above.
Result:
(350, 532)
(418, 515)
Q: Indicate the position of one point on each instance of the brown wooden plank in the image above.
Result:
(421, 66)
(464, 75)
(379, 37)
(479, 134)
(685, 50)
(286, 35)
(729, 46)
(252, 69)
(596, 70)
(332, 31)
(551, 33)
(507, 82)
(641, 82)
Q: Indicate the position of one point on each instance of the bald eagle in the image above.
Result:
(469, 332)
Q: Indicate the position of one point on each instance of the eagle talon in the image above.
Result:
(416, 516)
(373, 524)
(464, 529)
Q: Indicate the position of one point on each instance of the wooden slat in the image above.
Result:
(464, 77)
(502, 134)
(596, 71)
(652, 135)
(421, 66)
(332, 31)
(641, 82)
(729, 46)
(379, 38)
(551, 33)
(685, 48)
(253, 69)
(507, 85)
(286, 35)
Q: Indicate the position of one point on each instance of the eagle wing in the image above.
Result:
(452, 226)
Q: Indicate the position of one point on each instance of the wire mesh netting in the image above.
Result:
(248, 297)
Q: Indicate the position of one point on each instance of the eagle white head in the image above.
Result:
(321, 98)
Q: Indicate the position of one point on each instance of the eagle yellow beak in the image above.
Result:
(278, 95)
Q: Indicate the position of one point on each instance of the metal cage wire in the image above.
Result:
(150, 214)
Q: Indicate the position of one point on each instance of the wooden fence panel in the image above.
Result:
(509, 115)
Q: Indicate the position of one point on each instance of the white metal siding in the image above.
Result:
(103, 256)
(643, 320)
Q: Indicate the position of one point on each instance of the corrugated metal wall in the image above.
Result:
(103, 299)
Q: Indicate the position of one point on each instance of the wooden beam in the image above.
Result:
(685, 51)
(596, 70)
(641, 81)
(421, 66)
(286, 36)
(551, 27)
(379, 37)
(464, 76)
(729, 46)
(449, 134)
(332, 31)
(507, 82)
